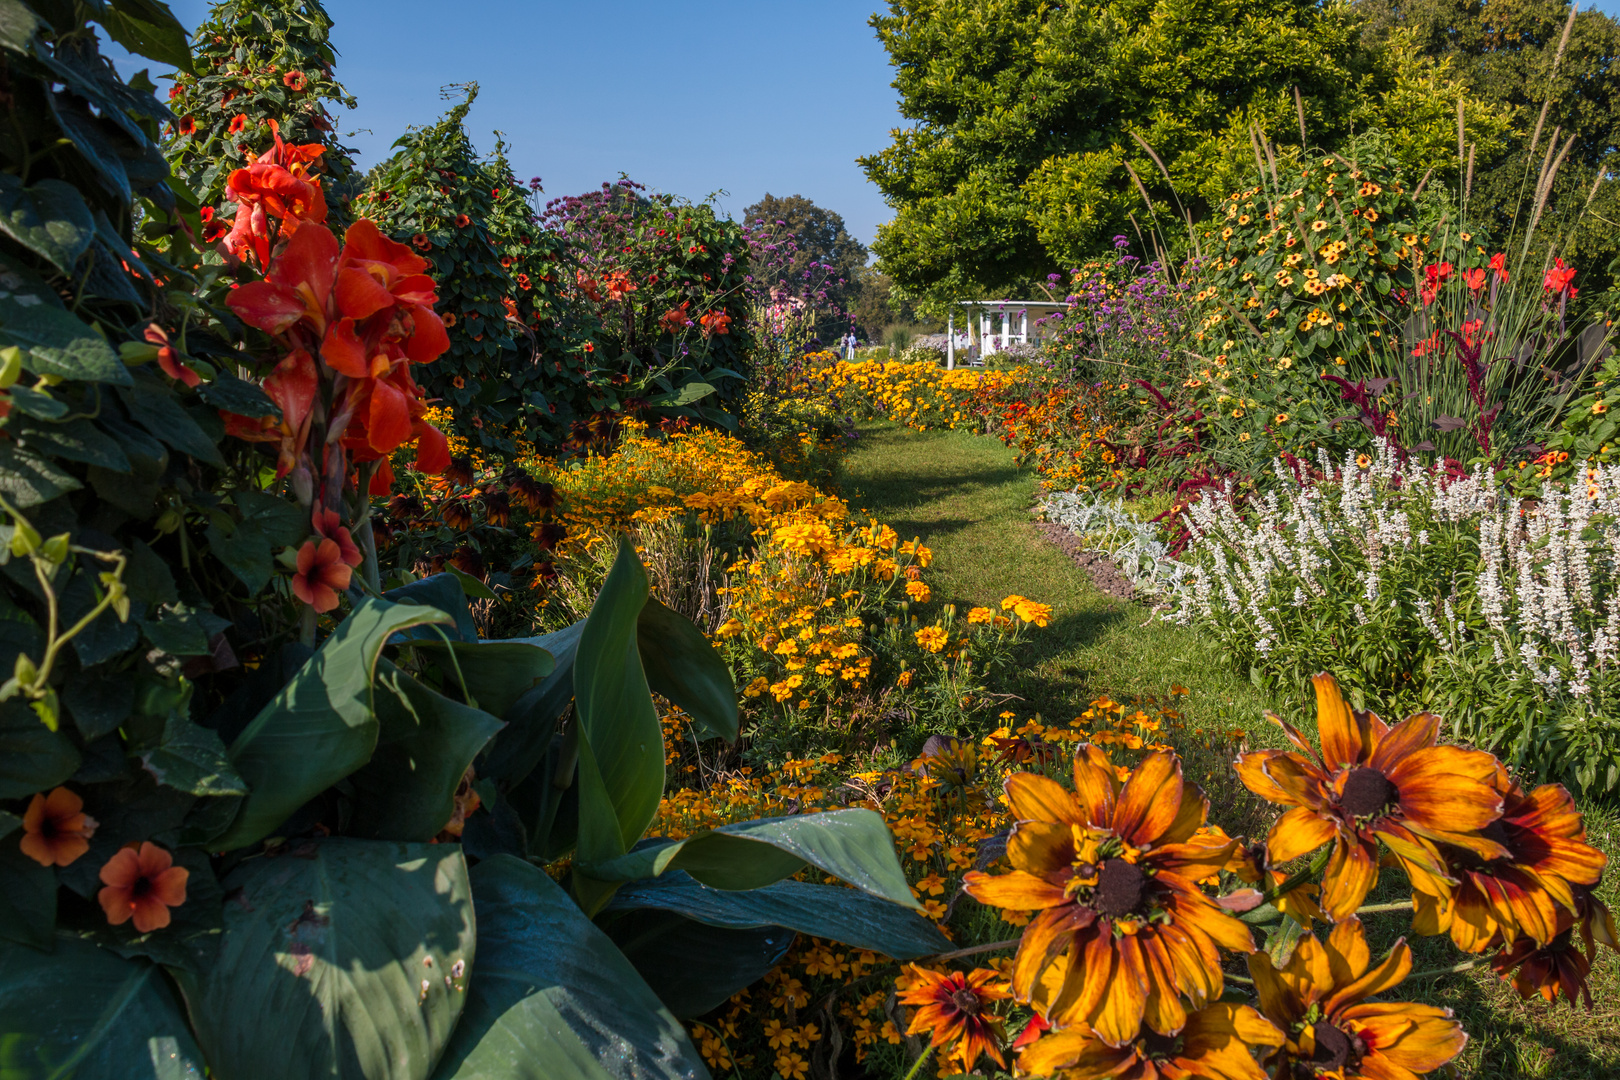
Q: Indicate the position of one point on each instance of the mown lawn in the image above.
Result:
(963, 496)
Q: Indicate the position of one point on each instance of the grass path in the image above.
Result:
(963, 496)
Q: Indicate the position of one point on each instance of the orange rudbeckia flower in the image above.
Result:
(951, 1005)
(1318, 1000)
(1372, 782)
(56, 830)
(1122, 933)
(1559, 965)
(142, 884)
(1495, 900)
(1214, 1045)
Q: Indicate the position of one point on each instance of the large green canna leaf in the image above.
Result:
(345, 959)
(694, 967)
(32, 756)
(320, 727)
(532, 718)
(81, 1012)
(683, 666)
(444, 592)
(552, 997)
(425, 743)
(850, 844)
(621, 748)
(498, 673)
(823, 911)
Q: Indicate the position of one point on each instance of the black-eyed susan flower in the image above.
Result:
(1213, 1045)
(954, 1008)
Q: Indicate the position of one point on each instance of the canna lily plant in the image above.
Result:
(1122, 962)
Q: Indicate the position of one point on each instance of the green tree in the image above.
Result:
(819, 236)
(1031, 122)
(268, 60)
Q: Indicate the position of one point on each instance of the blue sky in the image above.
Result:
(742, 97)
(737, 96)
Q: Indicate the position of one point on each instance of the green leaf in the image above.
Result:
(27, 480)
(32, 756)
(152, 405)
(693, 391)
(238, 396)
(50, 219)
(683, 667)
(622, 741)
(178, 630)
(342, 958)
(77, 440)
(470, 585)
(532, 719)
(27, 897)
(17, 26)
(244, 551)
(442, 591)
(57, 342)
(498, 673)
(192, 759)
(281, 522)
(147, 28)
(83, 1012)
(424, 744)
(320, 727)
(694, 967)
(553, 998)
(823, 911)
(850, 844)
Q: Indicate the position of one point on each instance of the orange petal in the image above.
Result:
(1117, 1019)
(1277, 1001)
(1094, 784)
(1352, 871)
(1017, 890)
(1041, 847)
(1298, 832)
(1347, 952)
(1417, 732)
(1150, 801)
(1343, 736)
(1034, 797)
(1420, 1038)
(1073, 1048)
(1390, 972)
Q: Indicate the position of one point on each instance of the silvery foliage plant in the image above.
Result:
(1133, 545)
(1438, 590)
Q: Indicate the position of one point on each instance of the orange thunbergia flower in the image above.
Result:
(1123, 931)
(1318, 1000)
(329, 526)
(1213, 1045)
(56, 830)
(1559, 965)
(321, 574)
(1372, 782)
(1495, 900)
(951, 1005)
(142, 883)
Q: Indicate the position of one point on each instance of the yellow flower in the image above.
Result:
(1031, 612)
(932, 638)
(918, 591)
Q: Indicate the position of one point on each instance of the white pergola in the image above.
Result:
(987, 311)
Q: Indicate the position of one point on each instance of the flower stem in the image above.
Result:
(994, 946)
(1435, 973)
(1381, 909)
(918, 1064)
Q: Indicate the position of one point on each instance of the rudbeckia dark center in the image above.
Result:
(966, 1001)
(1334, 1049)
(1155, 1047)
(1366, 791)
(1120, 888)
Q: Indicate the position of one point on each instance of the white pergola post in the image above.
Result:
(1023, 327)
(987, 344)
(950, 341)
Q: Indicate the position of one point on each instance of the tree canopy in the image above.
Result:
(821, 237)
(1032, 121)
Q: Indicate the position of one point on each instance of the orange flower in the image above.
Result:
(321, 574)
(715, 322)
(1214, 1045)
(1317, 998)
(951, 1006)
(238, 122)
(462, 221)
(1559, 965)
(1123, 933)
(294, 81)
(142, 883)
(187, 125)
(675, 319)
(1497, 899)
(457, 513)
(421, 242)
(56, 830)
(329, 526)
(1372, 782)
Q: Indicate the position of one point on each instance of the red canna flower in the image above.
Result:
(238, 122)
(715, 322)
(56, 830)
(1499, 264)
(1474, 279)
(1559, 277)
(142, 883)
(321, 574)
(676, 319)
(292, 386)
